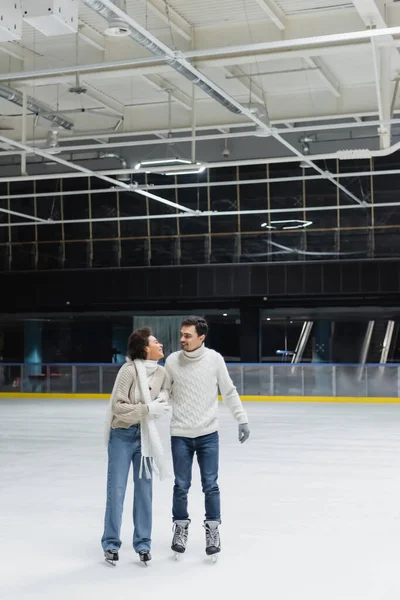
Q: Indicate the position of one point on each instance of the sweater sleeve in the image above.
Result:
(122, 407)
(169, 378)
(165, 392)
(229, 392)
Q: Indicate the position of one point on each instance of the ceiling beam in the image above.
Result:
(274, 12)
(166, 13)
(91, 36)
(324, 74)
(12, 49)
(163, 85)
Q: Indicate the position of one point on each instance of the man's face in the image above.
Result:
(189, 339)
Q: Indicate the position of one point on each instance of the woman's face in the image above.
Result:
(154, 350)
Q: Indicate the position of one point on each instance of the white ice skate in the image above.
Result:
(213, 542)
(179, 541)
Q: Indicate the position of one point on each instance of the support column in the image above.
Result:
(33, 346)
(250, 334)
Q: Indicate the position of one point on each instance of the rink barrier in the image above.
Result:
(255, 382)
(271, 399)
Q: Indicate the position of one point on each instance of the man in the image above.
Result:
(196, 373)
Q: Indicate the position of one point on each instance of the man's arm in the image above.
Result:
(169, 378)
(229, 392)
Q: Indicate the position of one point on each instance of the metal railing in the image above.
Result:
(250, 379)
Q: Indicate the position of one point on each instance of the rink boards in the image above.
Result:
(334, 399)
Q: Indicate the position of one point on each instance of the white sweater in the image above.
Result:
(195, 379)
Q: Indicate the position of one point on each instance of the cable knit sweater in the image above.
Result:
(195, 378)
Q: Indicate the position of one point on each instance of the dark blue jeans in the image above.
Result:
(207, 449)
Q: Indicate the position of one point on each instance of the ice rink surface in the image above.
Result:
(311, 507)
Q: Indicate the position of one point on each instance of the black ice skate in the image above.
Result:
(213, 542)
(144, 556)
(179, 541)
(111, 557)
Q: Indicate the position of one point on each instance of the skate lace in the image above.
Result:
(180, 535)
(212, 537)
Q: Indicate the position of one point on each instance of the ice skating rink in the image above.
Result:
(311, 508)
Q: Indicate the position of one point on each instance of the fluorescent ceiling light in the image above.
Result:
(180, 163)
(287, 224)
(161, 162)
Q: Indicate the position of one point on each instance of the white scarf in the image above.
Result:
(152, 449)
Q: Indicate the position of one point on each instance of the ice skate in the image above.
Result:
(179, 541)
(145, 556)
(213, 542)
(111, 557)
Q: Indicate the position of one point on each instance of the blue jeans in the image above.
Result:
(207, 449)
(124, 448)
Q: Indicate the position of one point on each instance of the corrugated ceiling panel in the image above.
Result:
(292, 7)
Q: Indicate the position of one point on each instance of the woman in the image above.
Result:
(138, 397)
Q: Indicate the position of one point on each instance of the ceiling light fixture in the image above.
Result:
(286, 224)
(155, 166)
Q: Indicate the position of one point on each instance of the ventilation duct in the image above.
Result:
(35, 107)
(121, 176)
(154, 48)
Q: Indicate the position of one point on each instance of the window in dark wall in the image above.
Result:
(386, 215)
(3, 220)
(104, 206)
(134, 253)
(165, 225)
(387, 242)
(223, 174)
(23, 257)
(163, 251)
(320, 193)
(386, 190)
(77, 255)
(287, 245)
(196, 199)
(322, 245)
(98, 184)
(49, 208)
(255, 248)
(50, 256)
(25, 206)
(285, 194)
(355, 243)
(76, 207)
(224, 199)
(224, 249)
(48, 186)
(132, 205)
(253, 197)
(105, 254)
(193, 250)
(73, 184)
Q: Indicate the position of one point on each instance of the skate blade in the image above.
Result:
(214, 558)
(178, 556)
(111, 562)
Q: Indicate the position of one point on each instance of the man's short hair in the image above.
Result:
(199, 323)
